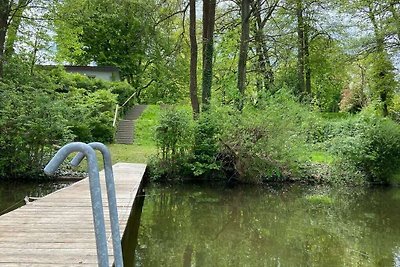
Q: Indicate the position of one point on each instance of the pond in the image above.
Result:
(200, 225)
(12, 193)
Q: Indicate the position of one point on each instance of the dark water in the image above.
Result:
(12, 193)
(252, 226)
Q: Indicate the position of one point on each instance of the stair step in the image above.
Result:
(126, 127)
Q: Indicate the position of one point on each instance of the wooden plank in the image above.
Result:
(57, 230)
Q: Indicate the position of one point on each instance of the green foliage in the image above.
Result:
(282, 140)
(268, 144)
(31, 123)
(382, 80)
(329, 73)
(46, 109)
(173, 134)
(132, 35)
(367, 145)
(205, 149)
(187, 148)
(123, 90)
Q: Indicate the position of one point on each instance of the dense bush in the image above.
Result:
(367, 146)
(174, 137)
(31, 124)
(280, 140)
(48, 108)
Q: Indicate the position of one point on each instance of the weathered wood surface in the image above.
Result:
(57, 230)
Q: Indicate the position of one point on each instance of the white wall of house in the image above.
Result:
(103, 75)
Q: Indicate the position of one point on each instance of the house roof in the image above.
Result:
(85, 68)
(92, 68)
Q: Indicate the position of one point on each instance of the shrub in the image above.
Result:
(205, 148)
(31, 123)
(174, 138)
(366, 145)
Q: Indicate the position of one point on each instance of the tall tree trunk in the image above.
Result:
(265, 79)
(14, 26)
(193, 60)
(208, 50)
(264, 66)
(34, 54)
(258, 35)
(300, 47)
(5, 10)
(380, 77)
(244, 47)
(307, 61)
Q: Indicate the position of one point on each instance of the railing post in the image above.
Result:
(112, 200)
(95, 193)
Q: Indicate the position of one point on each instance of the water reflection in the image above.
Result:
(12, 193)
(252, 226)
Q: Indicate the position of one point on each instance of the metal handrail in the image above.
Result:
(117, 108)
(112, 200)
(95, 193)
(115, 115)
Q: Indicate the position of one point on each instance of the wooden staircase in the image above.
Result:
(126, 126)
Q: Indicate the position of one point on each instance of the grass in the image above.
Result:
(145, 126)
(143, 147)
(321, 157)
(131, 153)
(144, 144)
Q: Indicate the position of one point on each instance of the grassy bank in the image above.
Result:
(144, 144)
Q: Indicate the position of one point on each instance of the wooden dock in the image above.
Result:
(57, 230)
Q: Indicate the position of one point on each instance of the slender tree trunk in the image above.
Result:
(34, 55)
(264, 67)
(244, 47)
(208, 50)
(193, 60)
(258, 35)
(381, 77)
(14, 26)
(379, 38)
(300, 47)
(4, 14)
(307, 61)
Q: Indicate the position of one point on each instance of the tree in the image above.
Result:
(303, 66)
(208, 50)
(10, 19)
(193, 60)
(135, 36)
(244, 47)
(375, 16)
(265, 74)
(5, 10)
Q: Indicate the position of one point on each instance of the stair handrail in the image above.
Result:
(115, 115)
(129, 98)
(117, 108)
